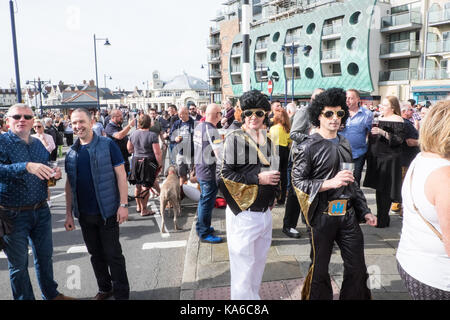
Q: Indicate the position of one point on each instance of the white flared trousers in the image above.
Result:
(249, 235)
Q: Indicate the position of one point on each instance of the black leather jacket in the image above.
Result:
(237, 173)
(315, 160)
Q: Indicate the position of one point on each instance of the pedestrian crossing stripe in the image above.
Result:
(164, 245)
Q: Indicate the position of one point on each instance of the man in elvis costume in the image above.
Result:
(332, 203)
(249, 183)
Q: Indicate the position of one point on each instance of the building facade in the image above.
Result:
(389, 47)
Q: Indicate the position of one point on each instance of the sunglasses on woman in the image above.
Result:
(37, 127)
(19, 116)
(258, 113)
(329, 114)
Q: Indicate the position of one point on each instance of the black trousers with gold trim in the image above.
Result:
(346, 232)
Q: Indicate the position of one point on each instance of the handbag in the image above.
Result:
(435, 231)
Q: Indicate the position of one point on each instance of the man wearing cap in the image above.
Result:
(249, 185)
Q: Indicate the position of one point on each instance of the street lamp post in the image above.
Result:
(105, 77)
(16, 56)
(96, 72)
(291, 51)
(208, 80)
(37, 84)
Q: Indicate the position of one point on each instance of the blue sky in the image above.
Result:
(55, 39)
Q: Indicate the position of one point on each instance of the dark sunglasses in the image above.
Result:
(19, 116)
(258, 113)
(37, 126)
(329, 114)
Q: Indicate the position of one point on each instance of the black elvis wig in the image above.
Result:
(332, 97)
(254, 99)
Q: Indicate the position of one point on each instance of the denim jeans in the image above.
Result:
(205, 207)
(359, 165)
(34, 228)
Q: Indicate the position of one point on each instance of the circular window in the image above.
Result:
(311, 28)
(275, 76)
(353, 69)
(276, 36)
(273, 57)
(307, 50)
(309, 73)
(352, 43)
(354, 18)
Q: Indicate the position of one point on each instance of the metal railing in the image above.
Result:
(215, 73)
(288, 59)
(331, 29)
(437, 73)
(438, 46)
(260, 45)
(400, 46)
(213, 42)
(399, 75)
(235, 68)
(291, 38)
(215, 57)
(328, 54)
(260, 66)
(335, 74)
(401, 19)
(438, 16)
(236, 51)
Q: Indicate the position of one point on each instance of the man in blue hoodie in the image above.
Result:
(96, 193)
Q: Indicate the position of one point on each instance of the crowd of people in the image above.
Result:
(255, 153)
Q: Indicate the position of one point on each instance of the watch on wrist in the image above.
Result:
(124, 205)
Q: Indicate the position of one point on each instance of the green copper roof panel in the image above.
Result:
(354, 58)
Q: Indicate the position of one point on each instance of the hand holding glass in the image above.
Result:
(52, 181)
(349, 166)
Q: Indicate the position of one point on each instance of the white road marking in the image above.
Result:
(164, 245)
(78, 249)
(157, 216)
(3, 254)
(58, 196)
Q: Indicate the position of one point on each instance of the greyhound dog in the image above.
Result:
(170, 194)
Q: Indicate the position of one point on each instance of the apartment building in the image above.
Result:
(388, 47)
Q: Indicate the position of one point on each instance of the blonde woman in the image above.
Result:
(423, 258)
(45, 138)
(384, 170)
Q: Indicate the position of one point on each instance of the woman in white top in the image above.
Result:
(423, 258)
(46, 139)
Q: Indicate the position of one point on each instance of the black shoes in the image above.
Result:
(291, 233)
(103, 295)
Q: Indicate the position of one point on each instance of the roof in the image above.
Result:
(185, 82)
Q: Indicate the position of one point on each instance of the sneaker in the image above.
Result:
(211, 230)
(211, 239)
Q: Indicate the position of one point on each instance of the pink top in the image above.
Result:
(49, 143)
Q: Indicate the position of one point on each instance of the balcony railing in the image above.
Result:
(215, 88)
(400, 46)
(438, 46)
(215, 73)
(335, 74)
(213, 43)
(261, 45)
(260, 66)
(291, 38)
(288, 59)
(330, 54)
(235, 69)
(401, 19)
(331, 29)
(437, 74)
(438, 16)
(236, 51)
(215, 57)
(398, 75)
